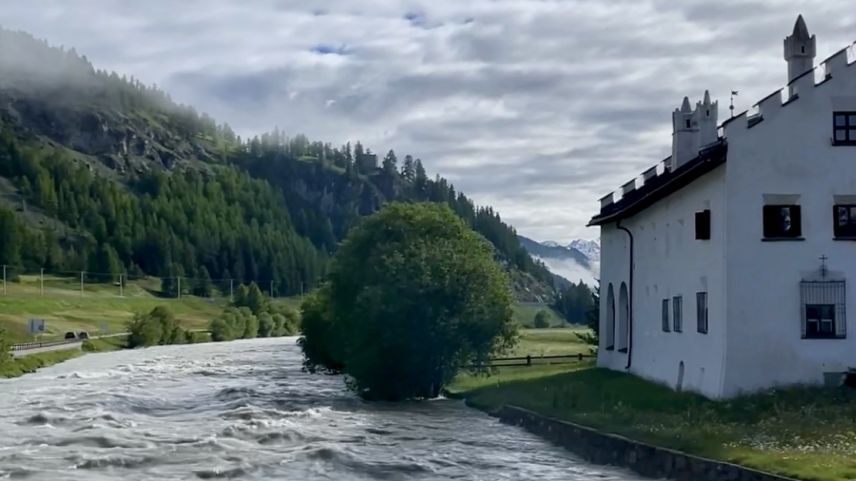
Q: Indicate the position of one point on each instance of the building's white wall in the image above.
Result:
(789, 152)
(670, 262)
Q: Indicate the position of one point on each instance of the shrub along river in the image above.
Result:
(245, 410)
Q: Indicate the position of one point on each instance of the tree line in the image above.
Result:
(267, 207)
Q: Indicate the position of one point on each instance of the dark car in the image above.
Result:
(83, 335)
(70, 335)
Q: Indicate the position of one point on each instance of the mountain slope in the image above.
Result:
(103, 174)
(568, 262)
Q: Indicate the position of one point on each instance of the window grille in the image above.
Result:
(823, 309)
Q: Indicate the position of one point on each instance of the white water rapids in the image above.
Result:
(245, 410)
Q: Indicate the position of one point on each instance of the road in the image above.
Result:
(26, 349)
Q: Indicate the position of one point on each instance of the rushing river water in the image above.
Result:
(244, 410)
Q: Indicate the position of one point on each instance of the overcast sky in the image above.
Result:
(537, 108)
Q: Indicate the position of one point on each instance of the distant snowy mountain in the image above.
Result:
(589, 248)
(578, 261)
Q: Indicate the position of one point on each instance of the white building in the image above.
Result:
(730, 266)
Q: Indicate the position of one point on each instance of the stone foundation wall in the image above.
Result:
(647, 460)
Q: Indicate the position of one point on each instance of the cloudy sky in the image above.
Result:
(536, 107)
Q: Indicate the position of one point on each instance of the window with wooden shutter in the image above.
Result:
(844, 221)
(782, 222)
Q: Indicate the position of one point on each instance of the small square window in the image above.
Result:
(844, 221)
(844, 128)
(819, 321)
(782, 222)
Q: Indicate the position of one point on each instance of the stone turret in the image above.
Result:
(800, 50)
(693, 129)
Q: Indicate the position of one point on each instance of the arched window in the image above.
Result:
(623, 314)
(610, 318)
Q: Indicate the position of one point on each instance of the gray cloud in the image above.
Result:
(535, 107)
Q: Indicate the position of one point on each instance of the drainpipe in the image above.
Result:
(629, 300)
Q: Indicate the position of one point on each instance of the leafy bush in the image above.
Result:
(542, 319)
(158, 327)
(88, 346)
(234, 323)
(414, 294)
(267, 327)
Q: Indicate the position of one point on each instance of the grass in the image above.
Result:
(65, 309)
(106, 344)
(524, 314)
(550, 342)
(806, 433)
(18, 366)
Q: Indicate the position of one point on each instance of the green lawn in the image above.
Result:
(807, 433)
(524, 314)
(64, 308)
(551, 342)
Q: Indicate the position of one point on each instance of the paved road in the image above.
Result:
(59, 347)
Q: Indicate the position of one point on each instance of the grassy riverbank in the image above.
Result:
(807, 433)
(18, 366)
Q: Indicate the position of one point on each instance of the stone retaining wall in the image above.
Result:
(645, 459)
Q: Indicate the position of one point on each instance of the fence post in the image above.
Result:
(121, 285)
(179, 286)
(4, 279)
(81, 283)
(231, 290)
(42, 281)
(271, 289)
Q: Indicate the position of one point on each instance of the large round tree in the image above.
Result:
(414, 294)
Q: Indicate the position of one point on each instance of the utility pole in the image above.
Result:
(81, 283)
(231, 290)
(42, 281)
(179, 286)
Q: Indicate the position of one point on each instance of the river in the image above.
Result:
(245, 410)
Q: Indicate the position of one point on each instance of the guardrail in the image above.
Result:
(26, 346)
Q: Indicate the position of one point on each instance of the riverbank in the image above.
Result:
(804, 433)
(18, 366)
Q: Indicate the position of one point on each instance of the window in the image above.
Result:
(688, 124)
(782, 222)
(845, 221)
(702, 225)
(701, 311)
(820, 320)
(677, 314)
(823, 309)
(666, 315)
(844, 128)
